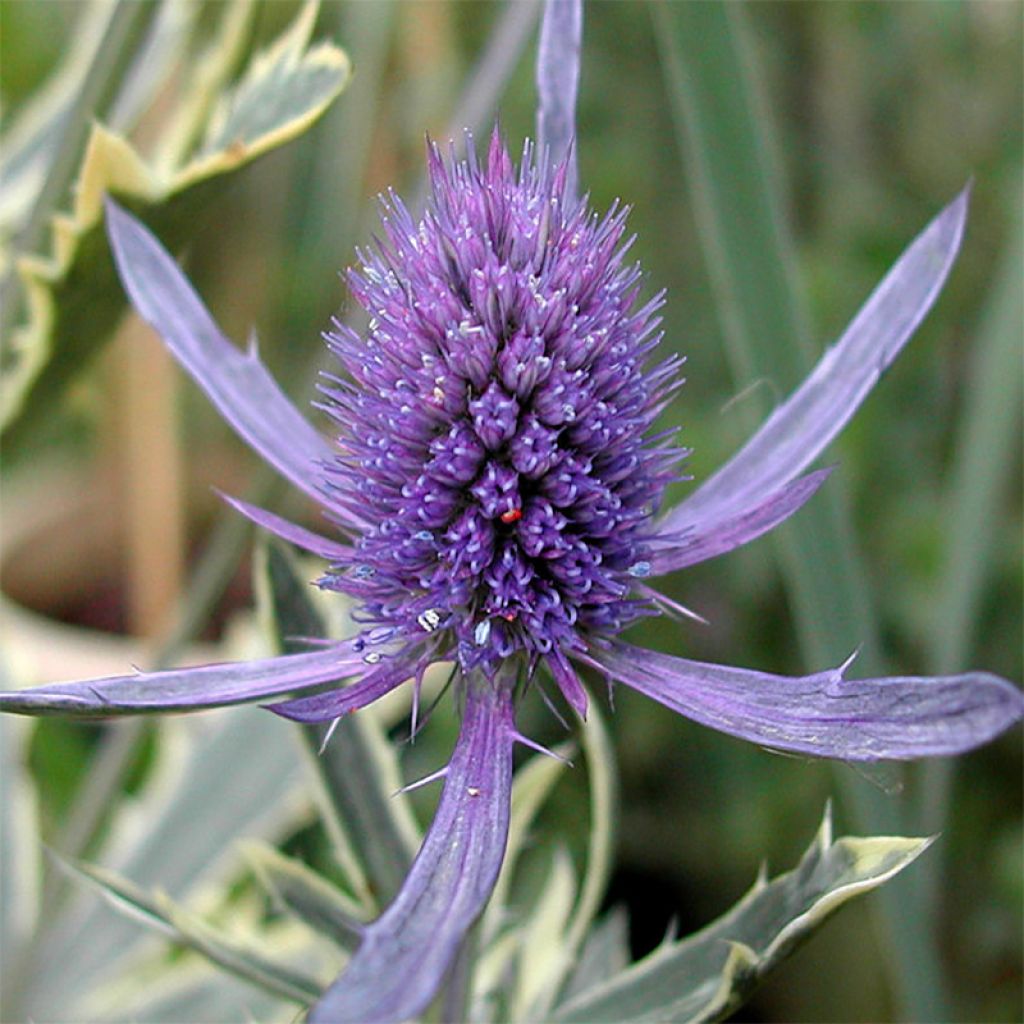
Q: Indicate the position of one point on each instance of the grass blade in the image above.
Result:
(988, 433)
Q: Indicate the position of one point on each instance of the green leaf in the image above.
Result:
(544, 952)
(605, 953)
(356, 773)
(706, 976)
(241, 957)
(531, 786)
(215, 778)
(987, 438)
(73, 296)
(306, 894)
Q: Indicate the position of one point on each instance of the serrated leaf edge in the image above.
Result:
(112, 165)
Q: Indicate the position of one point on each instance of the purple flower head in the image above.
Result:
(493, 420)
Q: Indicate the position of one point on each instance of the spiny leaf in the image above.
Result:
(307, 895)
(604, 954)
(19, 830)
(544, 953)
(603, 781)
(34, 132)
(160, 913)
(531, 786)
(153, 839)
(73, 296)
(706, 976)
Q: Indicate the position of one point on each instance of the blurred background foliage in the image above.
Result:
(876, 114)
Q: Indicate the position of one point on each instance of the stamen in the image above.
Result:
(512, 515)
(429, 620)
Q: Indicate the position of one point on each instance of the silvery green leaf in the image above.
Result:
(33, 133)
(603, 777)
(494, 966)
(603, 784)
(56, 115)
(206, 772)
(208, 81)
(73, 297)
(706, 976)
(282, 86)
(189, 988)
(500, 943)
(542, 961)
(158, 912)
(531, 786)
(19, 849)
(605, 953)
(356, 772)
(154, 63)
(306, 894)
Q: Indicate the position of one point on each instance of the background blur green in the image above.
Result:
(878, 114)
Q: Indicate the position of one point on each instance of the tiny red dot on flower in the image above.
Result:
(512, 515)
(509, 616)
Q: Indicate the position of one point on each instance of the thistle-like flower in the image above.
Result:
(493, 425)
(495, 490)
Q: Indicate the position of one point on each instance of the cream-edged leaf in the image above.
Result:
(707, 975)
(73, 298)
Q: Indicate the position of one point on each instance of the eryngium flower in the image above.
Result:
(493, 423)
(495, 486)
